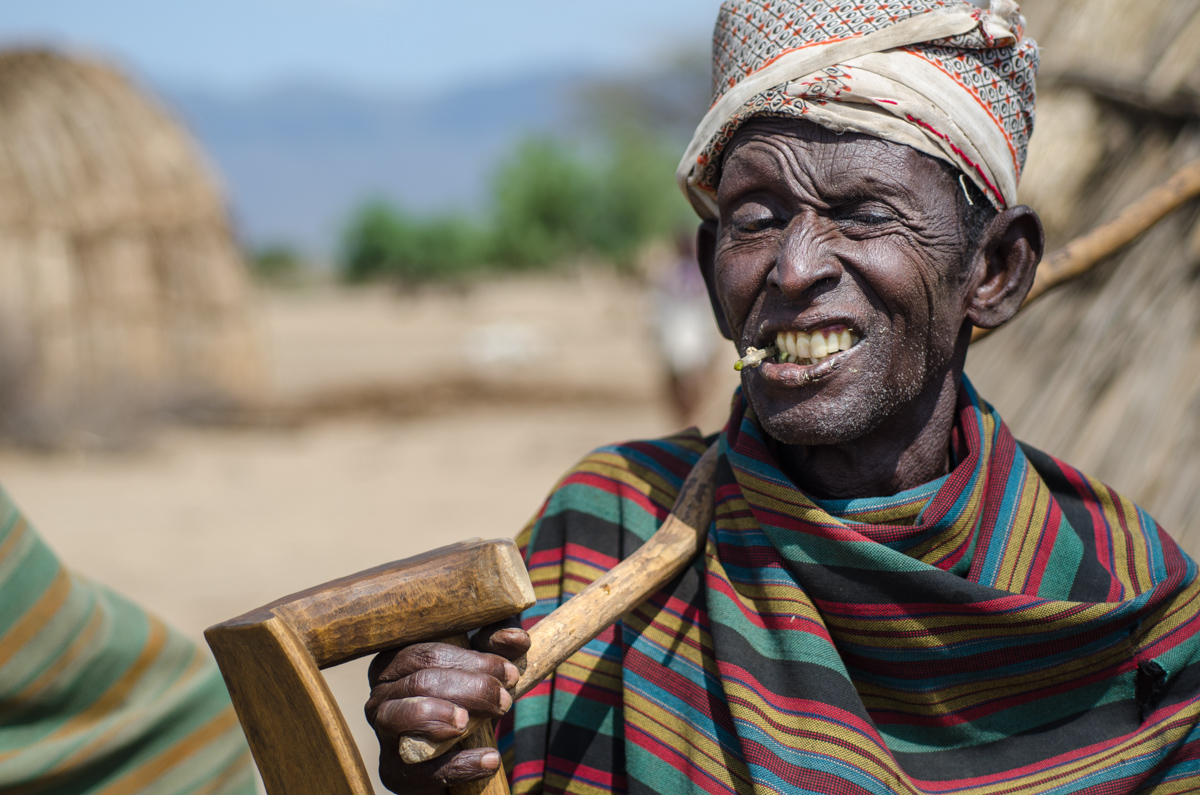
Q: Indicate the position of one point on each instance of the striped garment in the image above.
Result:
(1017, 627)
(96, 696)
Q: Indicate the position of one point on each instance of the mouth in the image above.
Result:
(807, 349)
(814, 347)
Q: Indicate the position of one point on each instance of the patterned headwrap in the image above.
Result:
(942, 76)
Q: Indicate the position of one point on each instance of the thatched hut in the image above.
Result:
(120, 285)
(1105, 372)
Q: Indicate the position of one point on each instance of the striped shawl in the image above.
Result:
(1015, 628)
(99, 697)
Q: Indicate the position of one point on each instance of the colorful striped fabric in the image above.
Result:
(1018, 628)
(98, 697)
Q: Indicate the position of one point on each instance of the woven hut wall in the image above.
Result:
(120, 284)
(1105, 372)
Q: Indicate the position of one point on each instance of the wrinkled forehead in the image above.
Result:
(776, 152)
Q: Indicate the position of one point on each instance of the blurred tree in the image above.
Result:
(544, 205)
(637, 200)
(381, 241)
(607, 194)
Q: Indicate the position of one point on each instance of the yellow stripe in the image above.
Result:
(30, 624)
(82, 643)
(111, 698)
(821, 737)
(932, 632)
(150, 771)
(956, 697)
(1046, 780)
(20, 529)
(239, 767)
(670, 729)
(1021, 547)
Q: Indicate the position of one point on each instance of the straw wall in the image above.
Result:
(121, 286)
(1105, 373)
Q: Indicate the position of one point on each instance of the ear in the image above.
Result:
(1004, 266)
(706, 255)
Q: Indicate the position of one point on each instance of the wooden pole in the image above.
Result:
(1086, 251)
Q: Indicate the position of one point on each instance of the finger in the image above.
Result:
(505, 639)
(421, 656)
(456, 767)
(380, 664)
(430, 717)
(479, 694)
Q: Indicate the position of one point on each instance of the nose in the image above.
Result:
(806, 258)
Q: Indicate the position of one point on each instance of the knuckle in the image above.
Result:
(423, 655)
(426, 681)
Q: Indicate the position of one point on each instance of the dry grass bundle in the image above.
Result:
(1105, 373)
(122, 288)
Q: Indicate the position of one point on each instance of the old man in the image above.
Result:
(895, 596)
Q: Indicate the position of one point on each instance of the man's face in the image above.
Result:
(821, 234)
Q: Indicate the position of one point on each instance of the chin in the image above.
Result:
(815, 422)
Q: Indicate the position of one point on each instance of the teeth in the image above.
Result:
(803, 346)
(812, 348)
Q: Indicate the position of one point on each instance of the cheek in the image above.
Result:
(741, 272)
(925, 309)
(910, 285)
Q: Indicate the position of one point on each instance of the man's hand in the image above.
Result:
(431, 690)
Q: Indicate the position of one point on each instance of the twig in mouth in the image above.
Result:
(754, 357)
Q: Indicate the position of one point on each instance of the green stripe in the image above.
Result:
(625, 513)
(1009, 722)
(24, 577)
(48, 646)
(1063, 566)
(162, 708)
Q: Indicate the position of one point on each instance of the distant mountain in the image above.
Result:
(297, 159)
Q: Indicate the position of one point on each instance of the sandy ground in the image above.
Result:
(203, 524)
(207, 525)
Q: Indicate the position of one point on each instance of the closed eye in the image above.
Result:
(753, 216)
(758, 224)
(867, 216)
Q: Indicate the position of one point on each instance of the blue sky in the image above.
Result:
(369, 44)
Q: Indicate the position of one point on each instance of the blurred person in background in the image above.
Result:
(684, 332)
(896, 595)
(99, 696)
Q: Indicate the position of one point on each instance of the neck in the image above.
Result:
(911, 448)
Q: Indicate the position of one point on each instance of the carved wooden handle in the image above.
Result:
(565, 631)
(271, 657)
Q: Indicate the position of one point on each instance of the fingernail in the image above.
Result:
(511, 674)
(505, 700)
(460, 718)
(490, 760)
